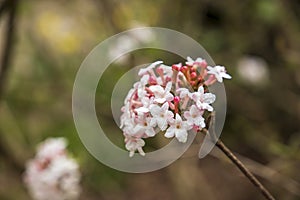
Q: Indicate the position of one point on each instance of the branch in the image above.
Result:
(244, 170)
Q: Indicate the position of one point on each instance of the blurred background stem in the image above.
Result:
(10, 7)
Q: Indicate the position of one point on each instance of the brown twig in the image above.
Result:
(244, 170)
(233, 158)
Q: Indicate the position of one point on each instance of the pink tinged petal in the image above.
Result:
(209, 68)
(170, 132)
(171, 120)
(169, 97)
(187, 115)
(165, 107)
(169, 115)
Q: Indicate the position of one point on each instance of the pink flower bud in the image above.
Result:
(183, 69)
(176, 99)
(193, 75)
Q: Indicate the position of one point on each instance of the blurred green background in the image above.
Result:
(258, 41)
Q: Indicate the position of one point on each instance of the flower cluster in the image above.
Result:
(52, 174)
(169, 98)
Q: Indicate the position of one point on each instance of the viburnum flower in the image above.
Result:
(195, 116)
(203, 100)
(178, 128)
(170, 99)
(219, 72)
(144, 127)
(162, 94)
(133, 144)
(52, 174)
(198, 61)
(161, 115)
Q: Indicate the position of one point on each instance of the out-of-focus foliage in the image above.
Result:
(53, 38)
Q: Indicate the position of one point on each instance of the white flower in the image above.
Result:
(134, 144)
(145, 108)
(144, 126)
(192, 62)
(146, 70)
(54, 176)
(162, 95)
(178, 128)
(203, 99)
(161, 115)
(219, 72)
(194, 116)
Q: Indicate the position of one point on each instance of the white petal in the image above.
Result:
(155, 110)
(165, 107)
(142, 110)
(168, 87)
(162, 124)
(178, 118)
(160, 100)
(181, 135)
(209, 98)
(141, 152)
(227, 76)
(156, 89)
(201, 90)
(150, 132)
(170, 132)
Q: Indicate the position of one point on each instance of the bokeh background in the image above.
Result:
(42, 44)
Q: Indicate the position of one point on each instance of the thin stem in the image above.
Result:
(211, 132)
(244, 170)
